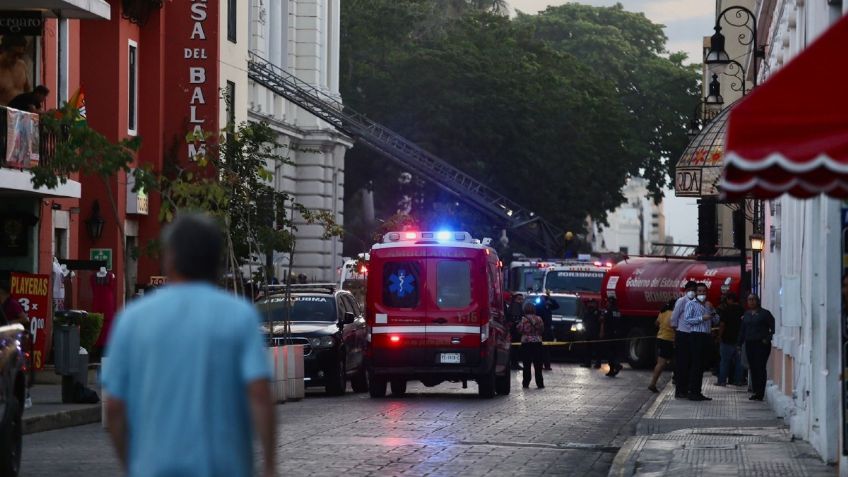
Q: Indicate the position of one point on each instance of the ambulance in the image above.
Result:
(435, 313)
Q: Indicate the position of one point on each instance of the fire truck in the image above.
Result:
(435, 313)
(642, 285)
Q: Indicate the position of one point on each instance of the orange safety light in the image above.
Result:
(394, 339)
(410, 235)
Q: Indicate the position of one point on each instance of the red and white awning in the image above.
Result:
(790, 135)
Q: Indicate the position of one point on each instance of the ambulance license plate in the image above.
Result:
(450, 358)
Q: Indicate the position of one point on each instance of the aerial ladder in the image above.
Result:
(406, 154)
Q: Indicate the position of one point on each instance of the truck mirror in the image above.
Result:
(348, 319)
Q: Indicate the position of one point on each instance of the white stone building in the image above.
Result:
(634, 225)
(803, 263)
(302, 37)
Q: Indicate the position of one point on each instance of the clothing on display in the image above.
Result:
(103, 301)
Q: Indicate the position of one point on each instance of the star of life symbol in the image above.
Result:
(401, 283)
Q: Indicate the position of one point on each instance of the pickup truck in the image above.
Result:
(12, 392)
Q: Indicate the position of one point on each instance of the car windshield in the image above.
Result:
(572, 281)
(567, 307)
(304, 308)
(526, 278)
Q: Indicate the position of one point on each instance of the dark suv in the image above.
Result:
(12, 392)
(330, 326)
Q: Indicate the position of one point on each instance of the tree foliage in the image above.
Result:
(554, 123)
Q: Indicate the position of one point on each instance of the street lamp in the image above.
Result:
(758, 242)
(714, 97)
(95, 223)
(717, 55)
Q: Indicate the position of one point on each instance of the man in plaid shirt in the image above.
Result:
(700, 316)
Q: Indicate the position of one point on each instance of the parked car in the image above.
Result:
(329, 324)
(12, 394)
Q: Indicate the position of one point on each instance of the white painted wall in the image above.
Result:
(802, 271)
(302, 36)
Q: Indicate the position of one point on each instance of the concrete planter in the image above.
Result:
(287, 380)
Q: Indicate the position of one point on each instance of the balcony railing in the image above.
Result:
(27, 142)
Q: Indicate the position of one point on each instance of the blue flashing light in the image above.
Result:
(538, 300)
(443, 235)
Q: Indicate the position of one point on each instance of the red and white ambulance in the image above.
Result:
(435, 313)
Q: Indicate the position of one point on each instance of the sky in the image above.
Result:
(686, 23)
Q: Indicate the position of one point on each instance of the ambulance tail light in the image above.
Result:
(394, 339)
(410, 235)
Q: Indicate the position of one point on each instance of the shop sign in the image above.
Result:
(23, 23)
(32, 292)
(696, 181)
(102, 255)
(157, 281)
(197, 78)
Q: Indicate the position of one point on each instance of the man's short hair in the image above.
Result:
(700, 284)
(41, 89)
(194, 243)
(690, 284)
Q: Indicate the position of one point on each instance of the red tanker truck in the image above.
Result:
(641, 285)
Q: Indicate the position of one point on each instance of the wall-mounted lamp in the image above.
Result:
(758, 242)
(95, 222)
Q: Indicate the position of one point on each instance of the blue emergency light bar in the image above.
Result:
(440, 236)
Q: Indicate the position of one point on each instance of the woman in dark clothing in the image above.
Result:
(514, 313)
(755, 333)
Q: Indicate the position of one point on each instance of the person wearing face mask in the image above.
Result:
(756, 332)
(681, 342)
(700, 316)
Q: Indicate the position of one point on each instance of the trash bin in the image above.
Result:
(66, 341)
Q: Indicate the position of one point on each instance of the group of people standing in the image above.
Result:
(685, 334)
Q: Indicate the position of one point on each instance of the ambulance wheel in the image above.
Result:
(486, 384)
(336, 380)
(376, 386)
(359, 381)
(398, 387)
(503, 383)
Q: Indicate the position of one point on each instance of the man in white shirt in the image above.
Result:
(681, 335)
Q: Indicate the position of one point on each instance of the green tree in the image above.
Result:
(553, 128)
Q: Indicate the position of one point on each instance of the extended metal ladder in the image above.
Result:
(405, 153)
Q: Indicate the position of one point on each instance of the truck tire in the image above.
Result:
(10, 439)
(359, 381)
(376, 386)
(336, 380)
(503, 383)
(398, 387)
(486, 384)
(640, 350)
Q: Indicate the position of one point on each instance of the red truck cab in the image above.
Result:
(435, 313)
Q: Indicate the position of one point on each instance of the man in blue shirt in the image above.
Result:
(188, 375)
(681, 341)
(699, 315)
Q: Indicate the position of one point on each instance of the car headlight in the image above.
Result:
(322, 342)
(577, 327)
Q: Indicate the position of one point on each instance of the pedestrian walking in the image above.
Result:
(665, 343)
(187, 370)
(531, 328)
(610, 332)
(545, 307)
(755, 333)
(730, 321)
(515, 312)
(592, 318)
(682, 363)
(700, 316)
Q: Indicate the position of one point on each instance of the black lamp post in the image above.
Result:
(95, 223)
(717, 55)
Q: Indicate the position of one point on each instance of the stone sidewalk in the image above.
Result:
(728, 436)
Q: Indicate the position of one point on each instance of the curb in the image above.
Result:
(61, 419)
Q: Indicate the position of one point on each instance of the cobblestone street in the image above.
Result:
(573, 427)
